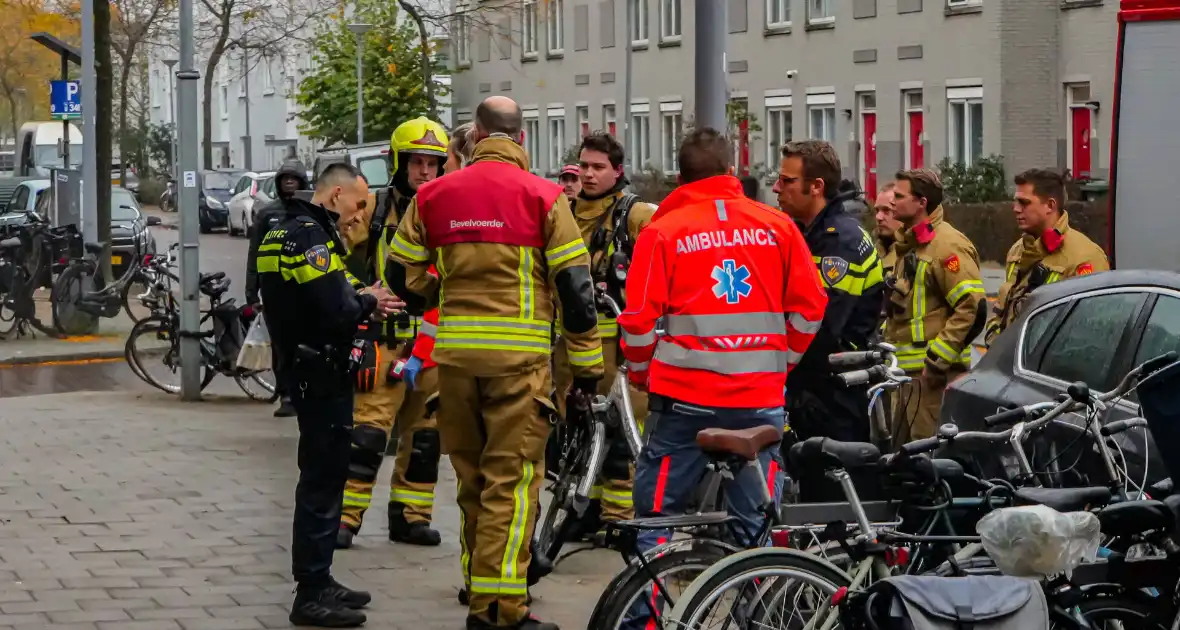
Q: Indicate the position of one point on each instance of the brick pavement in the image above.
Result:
(121, 511)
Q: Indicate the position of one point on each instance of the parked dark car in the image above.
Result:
(216, 190)
(130, 235)
(1093, 328)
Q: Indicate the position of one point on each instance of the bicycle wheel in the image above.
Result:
(759, 581)
(560, 521)
(130, 297)
(624, 598)
(258, 386)
(11, 276)
(152, 343)
(1120, 612)
(74, 282)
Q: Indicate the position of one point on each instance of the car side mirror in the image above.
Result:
(153, 221)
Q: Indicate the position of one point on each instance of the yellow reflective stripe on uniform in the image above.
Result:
(910, 358)
(917, 325)
(408, 249)
(1011, 271)
(497, 343)
(517, 538)
(270, 247)
(356, 284)
(464, 551)
(859, 277)
(497, 586)
(411, 497)
(562, 253)
(607, 326)
(621, 499)
(384, 251)
(525, 276)
(595, 492)
(962, 290)
(1053, 277)
(409, 332)
(356, 499)
(267, 264)
(586, 358)
(944, 351)
(442, 275)
(466, 324)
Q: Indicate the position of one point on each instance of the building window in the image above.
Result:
(963, 3)
(462, 32)
(154, 87)
(532, 139)
(608, 120)
(583, 121)
(821, 116)
(224, 88)
(638, 22)
(555, 22)
(778, 128)
(639, 144)
(820, 12)
(671, 133)
(556, 139)
(965, 117)
(778, 13)
(669, 20)
(268, 77)
(915, 130)
(529, 28)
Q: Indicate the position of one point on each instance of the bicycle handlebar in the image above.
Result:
(866, 376)
(1118, 426)
(845, 359)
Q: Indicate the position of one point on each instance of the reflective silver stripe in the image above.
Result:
(493, 323)
(721, 213)
(794, 357)
(722, 362)
(727, 324)
(804, 325)
(641, 340)
(637, 367)
(427, 329)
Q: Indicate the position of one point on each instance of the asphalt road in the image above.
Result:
(218, 252)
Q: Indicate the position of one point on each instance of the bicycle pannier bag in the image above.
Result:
(986, 602)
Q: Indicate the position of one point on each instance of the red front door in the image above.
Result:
(869, 122)
(611, 126)
(917, 157)
(1081, 133)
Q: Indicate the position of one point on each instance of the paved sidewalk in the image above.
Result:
(139, 512)
(38, 347)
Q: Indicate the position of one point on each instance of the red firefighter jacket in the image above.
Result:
(735, 282)
(424, 346)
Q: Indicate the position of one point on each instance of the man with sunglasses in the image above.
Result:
(1050, 249)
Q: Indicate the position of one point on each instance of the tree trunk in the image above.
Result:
(207, 102)
(124, 73)
(102, 128)
(15, 130)
(424, 45)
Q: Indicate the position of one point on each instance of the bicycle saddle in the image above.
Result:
(10, 243)
(832, 454)
(1065, 499)
(93, 248)
(1135, 517)
(744, 443)
(212, 277)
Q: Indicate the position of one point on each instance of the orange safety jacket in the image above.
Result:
(735, 282)
(424, 346)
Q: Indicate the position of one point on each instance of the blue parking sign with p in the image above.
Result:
(65, 100)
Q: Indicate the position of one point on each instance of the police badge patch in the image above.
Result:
(319, 257)
(833, 269)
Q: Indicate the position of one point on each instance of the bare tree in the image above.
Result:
(134, 25)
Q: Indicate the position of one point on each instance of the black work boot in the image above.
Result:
(539, 567)
(319, 607)
(344, 537)
(286, 409)
(348, 597)
(403, 531)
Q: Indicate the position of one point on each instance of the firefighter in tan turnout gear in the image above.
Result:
(509, 255)
(418, 150)
(933, 306)
(1050, 249)
(610, 221)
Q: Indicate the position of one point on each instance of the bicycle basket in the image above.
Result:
(1159, 402)
(1037, 541)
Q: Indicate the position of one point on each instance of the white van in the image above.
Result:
(38, 148)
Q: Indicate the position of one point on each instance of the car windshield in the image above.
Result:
(46, 155)
(219, 181)
(123, 206)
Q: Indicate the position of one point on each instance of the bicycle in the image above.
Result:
(75, 307)
(156, 277)
(27, 263)
(219, 345)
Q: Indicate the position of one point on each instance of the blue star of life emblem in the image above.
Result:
(731, 281)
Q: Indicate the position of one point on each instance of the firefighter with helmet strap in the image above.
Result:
(418, 150)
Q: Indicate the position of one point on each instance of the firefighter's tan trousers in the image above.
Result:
(916, 408)
(494, 429)
(415, 472)
(618, 472)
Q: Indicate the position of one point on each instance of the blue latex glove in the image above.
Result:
(410, 371)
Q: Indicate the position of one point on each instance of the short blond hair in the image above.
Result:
(463, 142)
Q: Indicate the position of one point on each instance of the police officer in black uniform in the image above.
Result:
(810, 190)
(291, 177)
(313, 311)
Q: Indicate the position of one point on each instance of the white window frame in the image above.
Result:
(532, 138)
(583, 116)
(555, 134)
(528, 27)
(268, 77)
(555, 26)
(670, 16)
(462, 37)
(224, 88)
(910, 107)
(812, 18)
(639, 28)
(964, 97)
(154, 87)
(778, 112)
(1072, 104)
(782, 7)
(963, 3)
(671, 133)
(639, 136)
(824, 101)
(242, 70)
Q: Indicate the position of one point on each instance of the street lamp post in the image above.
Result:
(359, 30)
(187, 196)
(171, 63)
(711, 91)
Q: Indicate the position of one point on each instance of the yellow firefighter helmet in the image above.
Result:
(420, 135)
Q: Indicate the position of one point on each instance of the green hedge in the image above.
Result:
(992, 226)
(150, 190)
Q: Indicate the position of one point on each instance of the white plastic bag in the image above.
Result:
(255, 353)
(1037, 541)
